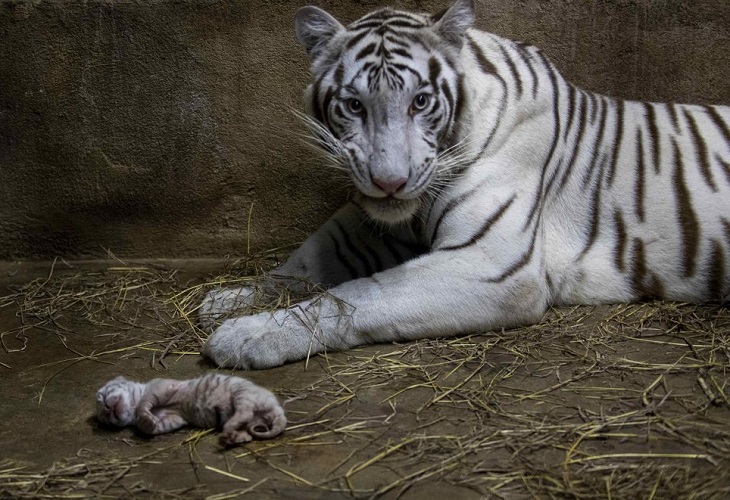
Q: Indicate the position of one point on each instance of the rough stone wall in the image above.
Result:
(154, 128)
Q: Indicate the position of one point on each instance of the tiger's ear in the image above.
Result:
(452, 23)
(314, 28)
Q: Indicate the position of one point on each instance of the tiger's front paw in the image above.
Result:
(222, 301)
(147, 422)
(251, 342)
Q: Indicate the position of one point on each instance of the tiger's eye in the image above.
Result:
(354, 106)
(420, 102)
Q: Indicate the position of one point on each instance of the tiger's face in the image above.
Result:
(385, 94)
(115, 403)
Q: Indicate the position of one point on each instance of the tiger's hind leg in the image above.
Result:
(256, 414)
(235, 428)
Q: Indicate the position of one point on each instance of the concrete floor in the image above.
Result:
(599, 402)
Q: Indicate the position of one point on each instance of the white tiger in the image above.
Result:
(488, 188)
(241, 409)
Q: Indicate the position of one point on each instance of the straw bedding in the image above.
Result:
(626, 401)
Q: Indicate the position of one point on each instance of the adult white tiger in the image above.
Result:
(488, 188)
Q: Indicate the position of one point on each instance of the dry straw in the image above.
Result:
(625, 401)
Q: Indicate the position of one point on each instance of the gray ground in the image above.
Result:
(608, 402)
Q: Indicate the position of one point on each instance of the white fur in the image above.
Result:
(511, 273)
(242, 409)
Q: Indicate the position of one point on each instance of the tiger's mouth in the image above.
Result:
(389, 209)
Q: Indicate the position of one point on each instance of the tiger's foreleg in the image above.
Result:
(153, 416)
(161, 422)
(346, 247)
(438, 294)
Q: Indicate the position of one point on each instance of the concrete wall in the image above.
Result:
(151, 128)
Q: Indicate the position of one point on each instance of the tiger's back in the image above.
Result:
(658, 204)
(618, 200)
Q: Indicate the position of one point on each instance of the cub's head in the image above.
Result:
(116, 402)
(385, 98)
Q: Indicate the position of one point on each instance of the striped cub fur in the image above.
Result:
(241, 409)
(488, 188)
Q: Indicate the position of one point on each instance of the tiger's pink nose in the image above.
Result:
(390, 187)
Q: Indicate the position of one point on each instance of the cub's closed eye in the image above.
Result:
(355, 107)
(420, 102)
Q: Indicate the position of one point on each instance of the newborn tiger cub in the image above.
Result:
(240, 408)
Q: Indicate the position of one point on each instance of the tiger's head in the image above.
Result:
(116, 402)
(385, 99)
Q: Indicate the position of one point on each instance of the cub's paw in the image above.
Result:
(251, 342)
(222, 301)
(232, 438)
(147, 422)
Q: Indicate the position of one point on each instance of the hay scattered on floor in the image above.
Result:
(593, 402)
(84, 476)
(137, 307)
(617, 410)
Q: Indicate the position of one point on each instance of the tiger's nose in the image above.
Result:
(390, 187)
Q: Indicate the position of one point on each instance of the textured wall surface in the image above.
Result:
(153, 128)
